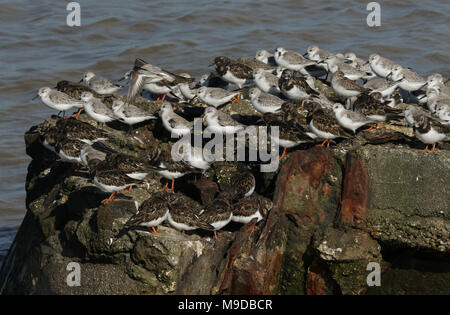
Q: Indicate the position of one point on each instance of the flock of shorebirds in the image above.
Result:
(282, 88)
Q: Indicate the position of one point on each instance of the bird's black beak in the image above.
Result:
(366, 63)
(389, 75)
(347, 61)
(37, 95)
(446, 81)
(80, 81)
(121, 79)
(305, 54)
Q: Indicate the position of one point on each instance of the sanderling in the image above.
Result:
(344, 86)
(266, 57)
(99, 84)
(316, 54)
(216, 96)
(350, 72)
(266, 81)
(219, 122)
(443, 113)
(429, 131)
(360, 64)
(349, 119)
(295, 88)
(410, 81)
(381, 66)
(58, 100)
(151, 213)
(95, 109)
(386, 88)
(413, 112)
(173, 122)
(292, 60)
(130, 114)
(434, 98)
(264, 102)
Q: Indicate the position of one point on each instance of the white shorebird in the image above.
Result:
(349, 119)
(58, 100)
(386, 88)
(266, 81)
(216, 96)
(350, 72)
(130, 114)
(219, 122)
(95, 108)
(381, 66)
(266, 57)
(174, 123)
(410, 81)
(99, 84)
(265, 102)
(429, 131)
(292, 60)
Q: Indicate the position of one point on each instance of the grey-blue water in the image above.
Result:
(37, 49)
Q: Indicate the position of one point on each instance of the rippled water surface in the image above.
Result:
(37, 48)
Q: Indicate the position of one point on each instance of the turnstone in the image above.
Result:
(80, 130)
(386, 88)
(349, 119)
(130, 114)
(111, 181)
(325, 126)
(429, 131)
(74, 89)
(266, 57)
(373, 107)
(350, 72)
(95, 108)
(99, 84)
(133, 167)
(219, 122)
(410, 81)
(174, 123)
(184, 214)
(381, 66)
(242, 184)
(152, 212)
(292, 116)
(292, 60)
(218, 213)
(264, 102)
(344, 86)
(249, 208)
(266, 81)
(232, 71)
(288, 135)
(69, 149)
(295, 88)
(170, 169)
(58, 100)
(216, 96)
